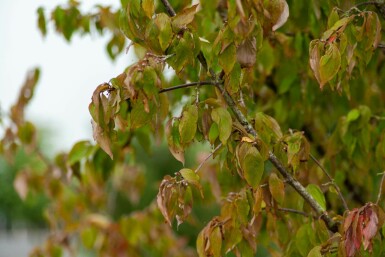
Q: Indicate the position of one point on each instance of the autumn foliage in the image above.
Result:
(265, 138)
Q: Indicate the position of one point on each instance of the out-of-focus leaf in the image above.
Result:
(278, 13)
(41, 21)
(98, 220)
(148, 7)
(21, 184)
(27, 133)
(315, 252)
(79, 151)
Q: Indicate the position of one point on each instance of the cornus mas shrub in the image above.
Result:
(283, 100)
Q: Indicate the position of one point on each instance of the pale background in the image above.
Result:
(70, 73)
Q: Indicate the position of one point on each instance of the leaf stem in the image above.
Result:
(380, 190)
(208, 157)
(331, 181)
(199, 83)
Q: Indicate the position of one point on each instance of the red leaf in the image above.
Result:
(370, 227)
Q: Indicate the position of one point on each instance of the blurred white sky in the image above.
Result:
(69, 71)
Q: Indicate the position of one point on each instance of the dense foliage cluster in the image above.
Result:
(288, 95)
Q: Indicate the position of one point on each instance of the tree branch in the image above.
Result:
(333, 226)
(169, 8)
(331, 181)
(199, 83)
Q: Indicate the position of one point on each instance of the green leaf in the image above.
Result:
(277, 188)
(148, 7)
(213, 133)
(268, 128)
(216, 242)
(139, 117)
(185, 17)
(188, 124)
(200, 244)
(353, 115)
(303, 239)
(315, 252)
(329, 64)
(41, 21)
(223, 118)
(232, 83)
(163, 22)
(80, 150)
(182, 50)
(252, 164)
(232, 237)
(227, 58)
(317, 194)
(27, 133)
(88, 237)
(173, 140)
(333, 17)
(192, 178)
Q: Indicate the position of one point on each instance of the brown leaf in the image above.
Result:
(164, 196)
(102, 138)
(277, 11)
(185, 17)
(26, 93)
(247, 52)
(370, 227)
(21, 184)
(315, 57)
(283, 16)
(173, 140)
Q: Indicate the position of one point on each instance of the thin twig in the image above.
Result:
(367, 3)
(293, 211)
(332, 225)
(331, 181)
(380, 190)
(208, 157)
(198, 84)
